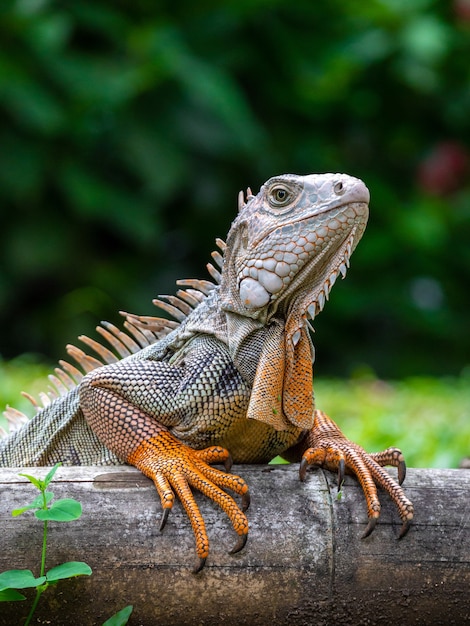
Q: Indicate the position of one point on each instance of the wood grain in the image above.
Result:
(304, 562)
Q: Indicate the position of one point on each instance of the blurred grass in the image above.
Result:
(25, 373)
(428, 418)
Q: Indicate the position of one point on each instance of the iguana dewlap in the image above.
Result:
(232, 378)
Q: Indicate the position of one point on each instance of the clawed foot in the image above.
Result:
(175, 468)
(330, 449)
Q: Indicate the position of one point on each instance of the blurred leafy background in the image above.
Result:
(127, 129)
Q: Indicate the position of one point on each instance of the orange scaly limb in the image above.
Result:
(329, 448)
(174, 467)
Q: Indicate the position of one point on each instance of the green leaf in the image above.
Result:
(36, 481)
(64, 510)
(19, 579)
(51, 473)
(120, 618)
(17, 512)
(42, 484)
(278, 460)
(10, 595)
(37, 503)
(68, 570)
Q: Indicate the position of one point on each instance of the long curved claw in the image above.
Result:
(394, 457)
(341, 470)
(200, 565)
(401, 472)
(303, 469)
(332, 450)
(239, 545)
(370, 527)
(163, 521)
(246, 501)
(404, 529)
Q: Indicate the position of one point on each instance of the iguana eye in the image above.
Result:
(339, 189)
(280, 196)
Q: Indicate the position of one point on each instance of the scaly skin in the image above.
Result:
(329, 448)
(236, 373)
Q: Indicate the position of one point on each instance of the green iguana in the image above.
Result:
(231, 378)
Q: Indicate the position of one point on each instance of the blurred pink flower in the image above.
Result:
(444, 169)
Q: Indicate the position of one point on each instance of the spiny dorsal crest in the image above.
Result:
(115, 344)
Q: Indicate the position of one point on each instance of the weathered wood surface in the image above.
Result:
(304, 562)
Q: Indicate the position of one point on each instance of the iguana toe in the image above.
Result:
(392, 456)
(332, 450)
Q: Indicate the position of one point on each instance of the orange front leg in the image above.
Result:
(174, 467)
(140, 440)
(329, 448)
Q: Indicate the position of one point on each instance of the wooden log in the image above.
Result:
(304, 562)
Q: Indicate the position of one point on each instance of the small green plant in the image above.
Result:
(63, 510)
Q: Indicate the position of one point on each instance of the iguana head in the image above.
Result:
(290, 242)
(284, 252)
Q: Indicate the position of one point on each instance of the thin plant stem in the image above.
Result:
(39, 591)
(41, 588)
(44, 546)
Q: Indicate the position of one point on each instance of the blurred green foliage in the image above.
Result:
(127, 129)
(426, 417)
